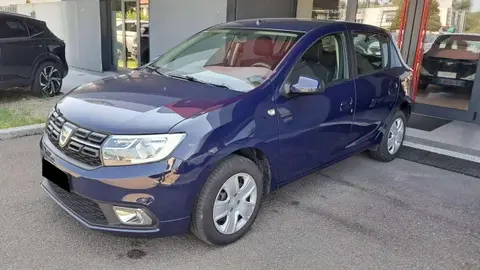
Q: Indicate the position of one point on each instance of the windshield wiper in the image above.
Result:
(154, 69)
(193, 79)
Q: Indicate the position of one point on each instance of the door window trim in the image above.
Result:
(347, 70)
(354, 57)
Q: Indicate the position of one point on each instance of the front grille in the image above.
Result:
(84, 145)
(85, 208)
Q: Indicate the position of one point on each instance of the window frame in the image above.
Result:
(5, 19)
(345, 56)
(354, 57)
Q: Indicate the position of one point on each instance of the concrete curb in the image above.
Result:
(16, 132)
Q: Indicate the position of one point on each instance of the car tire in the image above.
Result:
(48, 79)
(392, 139)
(218, 194)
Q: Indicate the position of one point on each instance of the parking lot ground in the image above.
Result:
(358, 214)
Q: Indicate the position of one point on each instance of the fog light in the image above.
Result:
(132, 216)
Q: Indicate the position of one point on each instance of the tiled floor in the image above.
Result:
(460, 134)
(445, 97)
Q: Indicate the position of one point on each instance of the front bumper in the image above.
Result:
(448, 82)
(166, 191)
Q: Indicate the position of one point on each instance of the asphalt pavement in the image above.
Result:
(358, 214)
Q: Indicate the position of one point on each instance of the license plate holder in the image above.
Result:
(445, 74)
(450, 82)
(55, 175)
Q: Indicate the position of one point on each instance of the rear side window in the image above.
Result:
(372, 52)
(34, 29)
(12, 28)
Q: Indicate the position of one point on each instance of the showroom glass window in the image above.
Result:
(450, 57)
(322, 9)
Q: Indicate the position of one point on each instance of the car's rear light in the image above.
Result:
(425, 72)
(406, 80)
(471, 77)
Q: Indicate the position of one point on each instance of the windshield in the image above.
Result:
(237, 59)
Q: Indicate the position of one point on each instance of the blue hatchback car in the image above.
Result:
(198, 137)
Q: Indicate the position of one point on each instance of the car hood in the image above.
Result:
(139, 103)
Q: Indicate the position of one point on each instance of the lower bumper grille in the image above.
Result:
(85, 208)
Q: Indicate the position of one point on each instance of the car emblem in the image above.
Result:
(65, 135)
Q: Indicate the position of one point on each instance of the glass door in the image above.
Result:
(446, 62)
(131, 23)
(130, 33)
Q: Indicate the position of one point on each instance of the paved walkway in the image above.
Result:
(456, 139)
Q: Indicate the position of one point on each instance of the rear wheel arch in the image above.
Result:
(46, 57)
(406, 108)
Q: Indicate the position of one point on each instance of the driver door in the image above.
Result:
(315, 128)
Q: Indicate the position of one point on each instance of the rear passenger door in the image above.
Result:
(375, 83)
(18, 50)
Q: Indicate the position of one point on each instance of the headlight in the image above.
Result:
(124, 150)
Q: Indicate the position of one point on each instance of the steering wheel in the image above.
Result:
(261, 64)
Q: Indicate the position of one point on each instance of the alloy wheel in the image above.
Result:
(235, 203)
(50, 81)
(395, 136)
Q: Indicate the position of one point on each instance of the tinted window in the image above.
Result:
(322, 61)
(34, 29)
(371, 52)
(459, 42)
(12, 28)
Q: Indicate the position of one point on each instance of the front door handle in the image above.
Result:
(346, 105)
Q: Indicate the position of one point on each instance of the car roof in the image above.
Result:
(287, 24)
(10, 14)
(459, 35)
(293, 24)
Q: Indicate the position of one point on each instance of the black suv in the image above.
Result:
(30, 55)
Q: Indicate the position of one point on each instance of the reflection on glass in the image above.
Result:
(117, 32)
(382, 13)
(130, 19)
(144, 52)
(448, 71)
(322, 9)
(450, 56)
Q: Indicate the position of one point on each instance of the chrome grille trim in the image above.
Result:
(75, 139)
(83, 146)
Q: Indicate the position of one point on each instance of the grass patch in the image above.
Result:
(11, 118)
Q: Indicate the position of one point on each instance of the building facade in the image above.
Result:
(123, 34)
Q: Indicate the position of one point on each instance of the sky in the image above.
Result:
(475, 5)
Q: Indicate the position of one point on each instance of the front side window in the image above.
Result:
(371, 52)
(323, 62)
(12, 28)
(238, 59)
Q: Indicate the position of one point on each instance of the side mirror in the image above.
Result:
(306, 85)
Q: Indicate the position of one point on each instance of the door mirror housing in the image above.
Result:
(306, 86)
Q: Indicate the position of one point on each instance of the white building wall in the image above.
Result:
(171, 22)
(444, 15)
(304, 8)
(77, 22)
